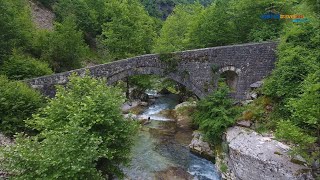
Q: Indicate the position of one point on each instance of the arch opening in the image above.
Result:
(231, 79)
(174, 76)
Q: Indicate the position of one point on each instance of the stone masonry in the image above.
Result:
(198, 70)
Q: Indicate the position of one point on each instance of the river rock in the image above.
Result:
(173, 173)
(186, 104)
(200, 147)
(255, 157)
(127, 106)
(244, 123)
(256, 85)
(143, 104)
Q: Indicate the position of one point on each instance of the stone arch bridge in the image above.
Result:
(198, 70)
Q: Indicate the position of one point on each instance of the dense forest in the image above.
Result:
(99, 31)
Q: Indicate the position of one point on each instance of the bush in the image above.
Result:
(17, 103)
(19, 67)
(287, 130)
(83, 135)
(305, 109)
(215, 114)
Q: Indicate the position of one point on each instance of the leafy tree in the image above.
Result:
(298, 56)
(174, 33)
(16, 27)
(17, 103)
(20, 66)
(130, 31)
(84, 16)
(250, 27)
(213, 27)
(215, 114)
(64, 48)
(83, 135)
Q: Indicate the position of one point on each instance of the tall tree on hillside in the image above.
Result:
(249, 24)
(174, 33)
(64, 48)
(15, 26)
(130, 31)
(84, 16)
(213, 27)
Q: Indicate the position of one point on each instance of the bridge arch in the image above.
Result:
(231, 74)
(175, 76)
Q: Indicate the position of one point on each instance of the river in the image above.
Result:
(161, 149)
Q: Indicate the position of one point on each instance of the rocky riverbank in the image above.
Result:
(245, 154)
(249, 155)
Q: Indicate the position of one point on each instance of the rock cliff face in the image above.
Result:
(41, 16)
(255, 157)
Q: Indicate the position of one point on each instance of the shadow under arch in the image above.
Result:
(175, 76)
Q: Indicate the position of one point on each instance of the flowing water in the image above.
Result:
(160, 154)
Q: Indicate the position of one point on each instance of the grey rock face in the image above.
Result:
(256, 85)
(198, 70)
(244, 123)
(255, 157)
(199, 146)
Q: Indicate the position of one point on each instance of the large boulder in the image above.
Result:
(200, 147)
(255, 157)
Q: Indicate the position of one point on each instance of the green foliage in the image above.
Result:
(248, 24)
(298, 56)
(142, 82)
(305, 108)
(174, 33)
(17, 103)
(215, 114)
(287, 130)
(20, 66)
(63, 48)
(213, 26)
(16, 26)
(84, 15)
(130, 31)
(223, 168)
(294, 85)
(83, 135)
